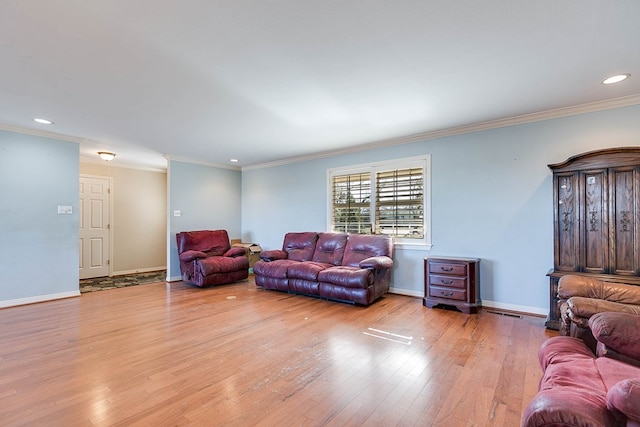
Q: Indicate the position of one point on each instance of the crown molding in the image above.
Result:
(425, 136)
(201, 163)
(42, 133)
(97, 161)
(460, 130)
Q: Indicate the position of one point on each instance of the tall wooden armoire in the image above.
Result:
(596, 215)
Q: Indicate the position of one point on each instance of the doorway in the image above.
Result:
(95, 226)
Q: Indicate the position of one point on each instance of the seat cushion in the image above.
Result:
(306, 270)
(348, 277)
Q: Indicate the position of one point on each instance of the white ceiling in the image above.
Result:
(269, 80)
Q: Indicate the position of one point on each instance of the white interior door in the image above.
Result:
(94, 226)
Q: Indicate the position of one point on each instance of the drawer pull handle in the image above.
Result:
(447, 282)
(447, 294)
(446, 268)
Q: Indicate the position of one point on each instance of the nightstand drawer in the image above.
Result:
(449, 281)
(455, 269)
(448, 293)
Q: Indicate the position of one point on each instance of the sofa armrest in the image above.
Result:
(624, 397)
(273, 254)
(188, 256)
(617, 331)
(377, 263)
(581, 307)
(236, 252)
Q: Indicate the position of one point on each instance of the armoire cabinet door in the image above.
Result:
(625, 188)
(566, 222)
(594, 221)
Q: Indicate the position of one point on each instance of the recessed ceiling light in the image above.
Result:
(615, 79)
(234, 160)
(43, 121)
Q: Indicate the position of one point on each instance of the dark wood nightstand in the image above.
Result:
(452, 282)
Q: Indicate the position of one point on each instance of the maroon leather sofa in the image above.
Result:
(580, 388)
(207, 258)
(353, 268)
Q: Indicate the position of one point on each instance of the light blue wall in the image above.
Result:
(208, 198)
(491, 198)
(39, 251)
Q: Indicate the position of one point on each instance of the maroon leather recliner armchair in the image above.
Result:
(207, 258)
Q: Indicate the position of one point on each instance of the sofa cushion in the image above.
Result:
(213, 242)
(587, 307)
(348, 277)
(273, 254)
(235, 251)
(330, 248)
(306, 270)
(618, 331)
(362, 246)
(572, 285)
(300, 246)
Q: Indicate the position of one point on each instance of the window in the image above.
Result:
(383, 198)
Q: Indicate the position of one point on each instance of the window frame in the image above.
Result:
(423, 161)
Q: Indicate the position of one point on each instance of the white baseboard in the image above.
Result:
(525, 309)
(138, 270)
(512, 307)
(39, 298)
(400, 291)
(174, 279)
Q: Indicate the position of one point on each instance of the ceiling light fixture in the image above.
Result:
(233, 160)
(43, 121)
(106, 156)
(615, 79)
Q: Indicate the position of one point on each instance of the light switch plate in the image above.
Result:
(65, 210)
(176, 213)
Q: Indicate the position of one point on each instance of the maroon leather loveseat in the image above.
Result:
(580, 388)
(352, 268)
(207, 258)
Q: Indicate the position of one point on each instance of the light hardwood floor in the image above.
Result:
(171, 354)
